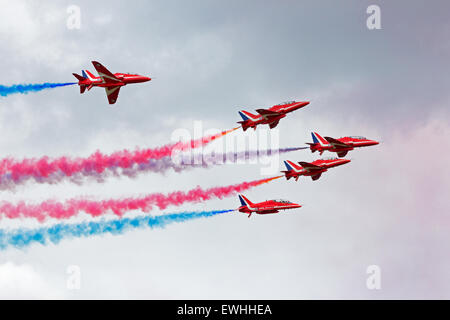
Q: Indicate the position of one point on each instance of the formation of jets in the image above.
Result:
(111, 82)
(271, 116)
(294, 170)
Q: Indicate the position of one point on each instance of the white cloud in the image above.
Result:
(24, 282)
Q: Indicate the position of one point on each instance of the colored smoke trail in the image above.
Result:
(49, 170)
(160, 166)
(26, 88)
(54, 234)
(204, 161)
(72, 207)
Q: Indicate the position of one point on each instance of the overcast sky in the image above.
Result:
(208, 59)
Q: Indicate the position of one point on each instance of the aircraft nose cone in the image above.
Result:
(304, 103)
(147, 79)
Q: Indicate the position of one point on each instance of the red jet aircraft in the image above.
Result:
(313, 169)
(111, 82)
(341, 146)
(270, 206)
(269, 116)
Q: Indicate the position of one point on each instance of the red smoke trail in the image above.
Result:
(95, 163)
(69, 208)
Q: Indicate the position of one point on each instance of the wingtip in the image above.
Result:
(96, 63)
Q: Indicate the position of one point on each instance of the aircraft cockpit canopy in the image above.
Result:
(284, 103)
(282, 201)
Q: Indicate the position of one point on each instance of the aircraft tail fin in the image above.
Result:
(244, 201)
(248, 120)
(245, 115)
(290, 165)
(317, 138)
(88, 75)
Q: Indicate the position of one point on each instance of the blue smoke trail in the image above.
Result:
(24, 237)
(25, 88)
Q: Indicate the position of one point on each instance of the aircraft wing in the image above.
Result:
(112, 94)
(267, 113)
(104, 73)
(336, 143)
(316, 176)
(273, 124)
(309, 166)
(273, 210)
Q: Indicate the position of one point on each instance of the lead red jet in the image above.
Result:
(266, 207)
(313, 169)
(269, 116)
(111, 82)
(341, 146)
